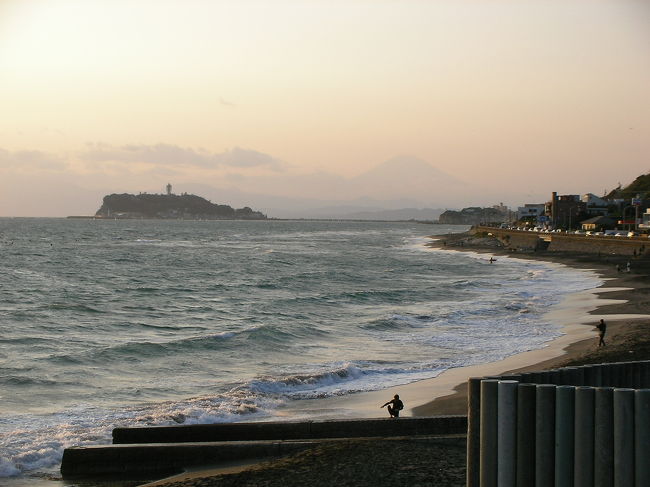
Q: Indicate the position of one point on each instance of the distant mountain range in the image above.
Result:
(360, 213)
(401, 188)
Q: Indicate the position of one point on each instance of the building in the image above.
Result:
(645, 219)
(530, 211)
(594, 205)
(566, 211)
(598, 223)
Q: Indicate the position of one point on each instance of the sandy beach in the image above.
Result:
(623, 301)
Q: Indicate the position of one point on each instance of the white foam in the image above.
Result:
(8, 468)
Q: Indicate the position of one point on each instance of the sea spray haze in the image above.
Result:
(108, 323)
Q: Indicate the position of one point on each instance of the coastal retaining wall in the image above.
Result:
(160, 460)
(563, 242)
(292, 430)
(575, 426)
(163, 450)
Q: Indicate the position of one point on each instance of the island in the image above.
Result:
(171, 207)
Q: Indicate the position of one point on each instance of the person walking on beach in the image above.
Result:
(395, 405)
(602, 328)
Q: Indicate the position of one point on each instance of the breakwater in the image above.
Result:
(575, 426)
(164, 450)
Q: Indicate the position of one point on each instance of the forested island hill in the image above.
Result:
(171, 206)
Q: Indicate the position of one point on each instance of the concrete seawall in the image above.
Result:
(563, 242)
(439, 425)
(148, 461)
(155, 452)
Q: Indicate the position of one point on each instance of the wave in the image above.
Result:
(299, 384)
(79, 308)
(8, 467)
(140, 289)
(341, 379)
(166, 328)
(463, 283)
(26, 340)
(400, 322)
(389, 296)
(40, 446)
(22, 381)
(262, 337)
(66, 359)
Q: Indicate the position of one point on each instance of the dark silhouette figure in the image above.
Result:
(395, 405)
(602, 329)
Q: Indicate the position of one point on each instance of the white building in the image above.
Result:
(530, 210)
(595, 205)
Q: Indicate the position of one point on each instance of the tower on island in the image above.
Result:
(169, 189)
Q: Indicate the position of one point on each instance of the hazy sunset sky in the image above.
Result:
(296, 97)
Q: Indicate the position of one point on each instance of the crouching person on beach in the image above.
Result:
(395, 405)
(602, 329)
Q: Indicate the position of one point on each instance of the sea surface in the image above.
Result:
(107, 323)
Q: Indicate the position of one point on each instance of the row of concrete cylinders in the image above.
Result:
(589, 428)
(633, 375)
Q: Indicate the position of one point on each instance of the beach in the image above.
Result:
(623, 301)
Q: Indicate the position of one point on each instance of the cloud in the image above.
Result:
(167, 155)
(28, 160)
(238, 157)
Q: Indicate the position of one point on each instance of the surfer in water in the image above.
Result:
(395, 405)
(492, 259)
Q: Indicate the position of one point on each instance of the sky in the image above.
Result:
(452, 102)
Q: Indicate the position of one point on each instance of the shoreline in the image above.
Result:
(445, 394)
(577, 314)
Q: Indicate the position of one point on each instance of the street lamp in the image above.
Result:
(624, 218)
(636, 202)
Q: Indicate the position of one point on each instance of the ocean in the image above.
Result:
(107, 323)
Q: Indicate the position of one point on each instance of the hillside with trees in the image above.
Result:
(640, 186)
(171, 206)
